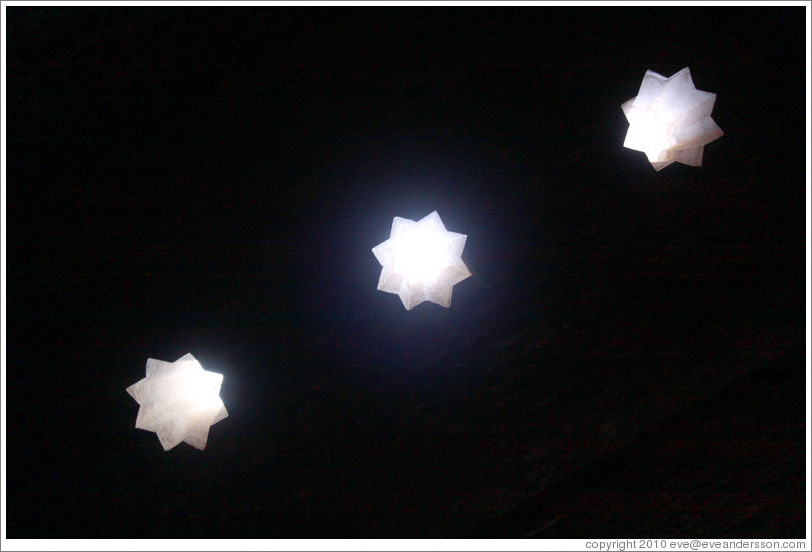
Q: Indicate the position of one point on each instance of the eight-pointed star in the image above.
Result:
(179, 401)
(422, 261)
(670, 120)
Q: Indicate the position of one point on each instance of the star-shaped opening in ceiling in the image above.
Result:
(179, 401)
(422, 261)
(670, 120)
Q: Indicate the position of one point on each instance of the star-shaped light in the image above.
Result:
(670, 120)
(179, 401)
(422, 261)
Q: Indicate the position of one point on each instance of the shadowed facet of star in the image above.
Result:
(179, 401)
(422, 261)
(670, 120)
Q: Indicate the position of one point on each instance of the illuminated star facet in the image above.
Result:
(670, 120)
(179, 401)
(422, 261)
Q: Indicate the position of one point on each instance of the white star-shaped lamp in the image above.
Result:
(670, 120)
(179, 401)
(422, 261)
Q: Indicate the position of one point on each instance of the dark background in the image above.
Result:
(626, 360)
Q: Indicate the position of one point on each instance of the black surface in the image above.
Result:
(626, 360)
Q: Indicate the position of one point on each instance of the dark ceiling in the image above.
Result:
(626, 360)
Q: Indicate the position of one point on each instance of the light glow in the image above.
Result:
(670, 120)
(179, 401)
(422, 261)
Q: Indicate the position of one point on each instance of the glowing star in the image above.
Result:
(422, 261)
(179, 401)
(670, 120)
